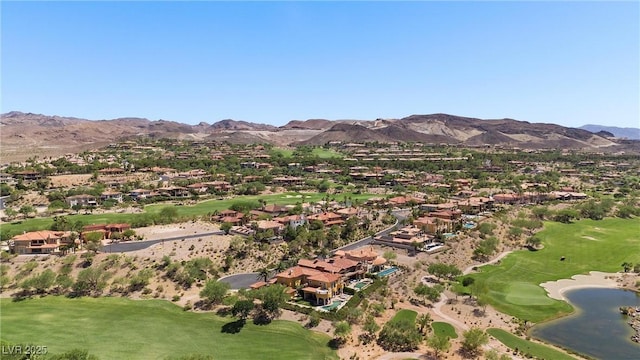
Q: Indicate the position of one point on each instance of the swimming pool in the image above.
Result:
(469, 225)
(334, 305)
(361, 285)
(387, 272)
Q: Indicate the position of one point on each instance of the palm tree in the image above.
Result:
(263, 273)
(423, 321)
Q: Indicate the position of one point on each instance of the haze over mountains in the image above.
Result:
(626, 132)
(26, 133)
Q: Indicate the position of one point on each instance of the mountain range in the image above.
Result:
(620, 132)
(26, 134)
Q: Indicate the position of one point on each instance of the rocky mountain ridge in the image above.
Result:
(20, 131)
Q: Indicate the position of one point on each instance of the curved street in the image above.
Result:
(240, 281)
(139, 245)
(243, 280)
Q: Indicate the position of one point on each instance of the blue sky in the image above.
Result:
(570, 63)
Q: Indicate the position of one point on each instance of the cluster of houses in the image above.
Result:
(57, 242)
(320, 280)
(275, 218)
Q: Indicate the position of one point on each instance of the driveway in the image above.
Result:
(399, 214)
(241, 281)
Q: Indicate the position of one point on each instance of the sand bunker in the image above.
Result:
(556, 289)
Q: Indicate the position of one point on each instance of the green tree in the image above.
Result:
(214, 291)
(138, 281)
(314, 319)
(41, 282)
(423, 321)
(371, 326)
(10, 213)
(441, 270)
(27, 210)
(90, 280)
(341, 331)
(226, 227)
(473, 340)
(63, 282)
(168, 214)
(242, 308)
(541, 212)
(273, 298)
(264, 273)
(389, 255)
(534, 242)
(566, 215)
(399, 336)
(627, 266)
(129, 234)
(94, 241)
(439, 344)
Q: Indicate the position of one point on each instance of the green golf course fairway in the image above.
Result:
(586, 245)
(117, 328)
(404, 314)
(529, 348)
(444, 329)
(199, 209)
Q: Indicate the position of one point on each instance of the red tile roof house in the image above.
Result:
(274, 209)
(366, 256)
(507, 198)
(316, 285)
(433, 225)
(401, 201)
(219, 185)
(40, 242)
(198, 188)
(336, 265)
(292, 220)
(327, 218)
(264, 225)
(106, 229)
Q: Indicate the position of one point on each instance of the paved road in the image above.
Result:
(399, 214)
(241, 281)
(139, 245)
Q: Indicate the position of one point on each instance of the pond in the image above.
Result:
(596, 328)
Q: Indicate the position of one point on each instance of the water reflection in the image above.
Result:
(597, 328)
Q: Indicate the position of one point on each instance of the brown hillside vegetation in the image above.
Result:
(24, 135)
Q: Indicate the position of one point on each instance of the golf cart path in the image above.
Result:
(469, 269)
(493, 343)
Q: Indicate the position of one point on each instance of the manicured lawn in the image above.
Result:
(289, 198)
(587, 245)
(45, 223)
(526, 347)
(404, 314)
(117, 328)
(323, 153)
(319, 152)
(444, 329)
(202, 208)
